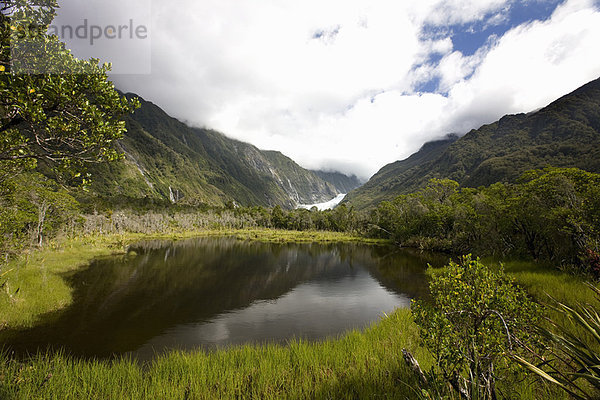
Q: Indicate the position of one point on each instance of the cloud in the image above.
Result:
(531, 66)
(337, 84)
(455, 12)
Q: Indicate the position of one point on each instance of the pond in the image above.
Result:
(215, 292)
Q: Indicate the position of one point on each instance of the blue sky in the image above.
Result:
(468, 38)
(351, 85)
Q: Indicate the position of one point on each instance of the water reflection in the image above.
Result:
(219, 291)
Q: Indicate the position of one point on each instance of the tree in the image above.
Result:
(33, 208)
(54, 108)
(473, 322)
(278, 218)
(556, 212)
(342, 218)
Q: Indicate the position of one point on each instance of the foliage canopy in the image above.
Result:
(54, 108)
(551, 214)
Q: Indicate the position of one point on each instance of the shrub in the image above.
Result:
(472, 323)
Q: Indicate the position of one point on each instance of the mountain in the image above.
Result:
(342, 183)
(388, 182)
(168, 160)
(566, 133)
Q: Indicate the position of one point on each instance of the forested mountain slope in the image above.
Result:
(168, 160)
(386, 182)
(566, 133)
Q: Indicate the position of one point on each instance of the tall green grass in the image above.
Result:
(542, 281)
(547, 285)
(358, 365)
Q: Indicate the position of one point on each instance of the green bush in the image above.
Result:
(473, 322)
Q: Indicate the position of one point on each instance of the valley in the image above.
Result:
(299, 200)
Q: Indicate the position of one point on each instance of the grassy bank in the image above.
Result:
(546, 285)
(544, 281)
(359, 365)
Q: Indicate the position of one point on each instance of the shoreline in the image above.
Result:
(34, 284)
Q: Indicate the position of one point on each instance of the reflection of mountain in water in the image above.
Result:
(120, 303)
(312, 310)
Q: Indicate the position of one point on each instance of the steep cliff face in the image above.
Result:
(165, 159)
(566, 133)
(302, 185)
(343, 183)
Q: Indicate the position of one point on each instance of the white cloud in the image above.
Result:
(333, 84)
(455, 67)
(532, 65)
(452, 12)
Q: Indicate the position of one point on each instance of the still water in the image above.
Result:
(215, 292)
